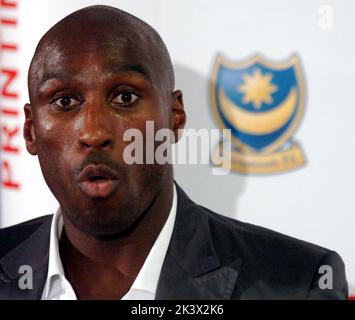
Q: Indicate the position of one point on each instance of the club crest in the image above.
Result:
(262, 103)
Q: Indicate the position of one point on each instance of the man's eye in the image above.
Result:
(125, 98)
(66, 102)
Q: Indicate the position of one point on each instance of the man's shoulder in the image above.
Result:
(275, 260)
(268, 264)
(274, 263)
(12, 236)
(258, 242)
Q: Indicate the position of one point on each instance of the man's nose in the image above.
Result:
(96, 128)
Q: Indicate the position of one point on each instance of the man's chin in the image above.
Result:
(105, 225)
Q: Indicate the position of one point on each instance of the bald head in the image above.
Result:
(108, 30)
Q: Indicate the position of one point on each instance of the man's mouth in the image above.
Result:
(97, 180)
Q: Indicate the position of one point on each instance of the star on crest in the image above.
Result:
(257, 88)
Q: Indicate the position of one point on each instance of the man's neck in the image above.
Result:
(103, 268)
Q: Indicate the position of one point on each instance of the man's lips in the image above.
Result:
(97, 180)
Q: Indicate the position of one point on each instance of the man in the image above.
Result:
(126, 231)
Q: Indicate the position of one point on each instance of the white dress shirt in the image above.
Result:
(57, 287)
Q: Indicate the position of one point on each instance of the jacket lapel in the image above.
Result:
(33, 252)
(192, 268)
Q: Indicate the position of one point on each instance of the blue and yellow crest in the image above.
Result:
(262, 103)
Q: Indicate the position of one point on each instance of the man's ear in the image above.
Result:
(179, 116)
(28, 130)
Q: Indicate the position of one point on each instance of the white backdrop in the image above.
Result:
(315, 203)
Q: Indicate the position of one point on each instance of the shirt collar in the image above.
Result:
(147, 278)
(55, 267)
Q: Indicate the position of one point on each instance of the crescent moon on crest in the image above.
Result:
(254, 122)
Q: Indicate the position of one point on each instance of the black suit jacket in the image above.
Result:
(209, 257)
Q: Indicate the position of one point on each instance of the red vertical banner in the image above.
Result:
(10, 97)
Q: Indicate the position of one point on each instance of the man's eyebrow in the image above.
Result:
(114, 68)
(135, 68)
(60, 75)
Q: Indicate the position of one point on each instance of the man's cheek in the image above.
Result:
(53, 135)
(54, 156)
(49, 145)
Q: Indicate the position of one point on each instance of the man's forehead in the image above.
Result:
(64, 73)
(64, 61)
(99, 47)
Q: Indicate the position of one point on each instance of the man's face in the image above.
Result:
(83, 98)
